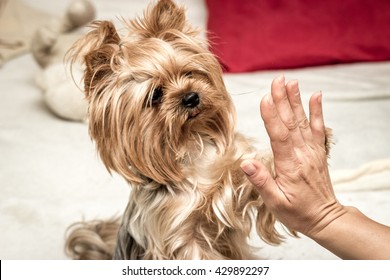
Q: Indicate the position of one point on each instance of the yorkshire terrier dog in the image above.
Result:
(161, 117)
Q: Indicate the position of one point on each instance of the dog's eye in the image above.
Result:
(157, 95)
(189, 74)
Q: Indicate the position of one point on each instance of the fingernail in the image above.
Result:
(282, 79)
(296, 87)
(248, 168)
(319, 98)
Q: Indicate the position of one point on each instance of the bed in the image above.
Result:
(51, 176)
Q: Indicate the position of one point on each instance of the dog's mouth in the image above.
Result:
(193, 113)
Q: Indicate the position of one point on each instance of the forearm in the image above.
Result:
(355, 236)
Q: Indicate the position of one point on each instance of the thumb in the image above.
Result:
(260, 177)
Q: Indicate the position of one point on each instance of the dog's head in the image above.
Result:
(156, 95)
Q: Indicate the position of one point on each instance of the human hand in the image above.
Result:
(300, 194)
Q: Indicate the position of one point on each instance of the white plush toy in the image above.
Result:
(49, 46)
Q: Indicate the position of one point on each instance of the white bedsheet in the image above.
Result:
(50, 174)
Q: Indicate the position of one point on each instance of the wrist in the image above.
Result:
(331, 214)
(337, 235)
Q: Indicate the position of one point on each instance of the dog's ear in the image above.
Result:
(162, 17)
(167, 15)
(96, 50)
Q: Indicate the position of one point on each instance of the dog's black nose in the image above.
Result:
(191, 100)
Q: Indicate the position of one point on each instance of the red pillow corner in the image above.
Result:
(265, 35)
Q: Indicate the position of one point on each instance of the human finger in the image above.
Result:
(294, 97)
(261, 178)
(317, 125)
(278, 133)
(285, 112)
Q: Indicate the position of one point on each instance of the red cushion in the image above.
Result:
(273, 34)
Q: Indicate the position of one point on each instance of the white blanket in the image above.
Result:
(50, 174)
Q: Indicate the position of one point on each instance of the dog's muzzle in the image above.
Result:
(191, 100)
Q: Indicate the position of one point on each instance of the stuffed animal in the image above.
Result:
(49, 45)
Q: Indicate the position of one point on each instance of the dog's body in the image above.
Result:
(207, 216)
(161, 117)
